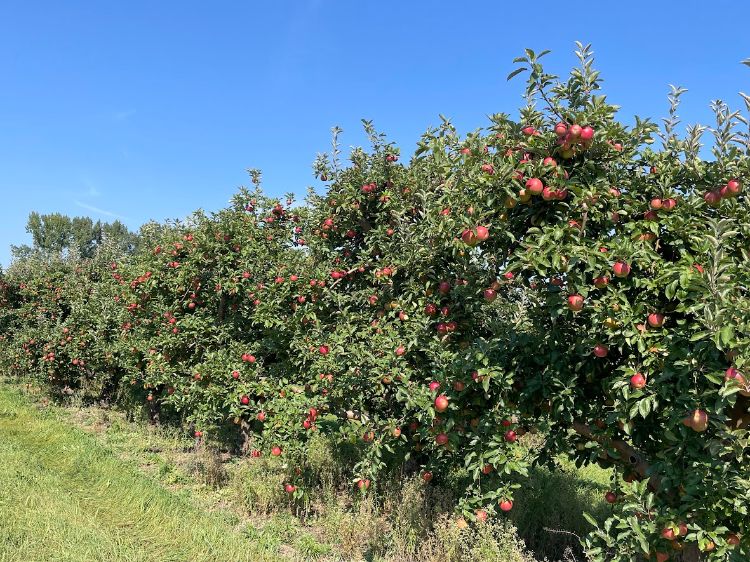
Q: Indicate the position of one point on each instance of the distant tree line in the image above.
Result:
(59, 236)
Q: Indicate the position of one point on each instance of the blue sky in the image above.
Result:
(142, 110)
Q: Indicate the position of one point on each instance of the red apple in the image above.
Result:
(441, 403)
(441, 439)
(535, 186)
(511, 436)
(601, 350)
(732, 374)
(482, 233)
(656, 203)
(601, 282)
(668, 204)
(575, 303)
(739, 378)
(469, 238)
(712, 198)
(610, 497)
(244, 400)
(655, 320)
(490, 295)
(427, 476)
(733, 188)
(561, 129)
(621, 269)
(363, 484)
(506, 505)
(669, 533)
(638, 381)
(549, 194)
(276, 451)
(587, 133)
(697, 420)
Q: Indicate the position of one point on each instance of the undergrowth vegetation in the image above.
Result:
(406, 521)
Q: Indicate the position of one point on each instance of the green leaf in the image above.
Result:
(727, 334)
(516, 72)
(590, 519)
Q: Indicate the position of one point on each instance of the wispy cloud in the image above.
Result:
(99, 211)
(123, 115)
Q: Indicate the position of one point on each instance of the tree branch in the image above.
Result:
(631, 456)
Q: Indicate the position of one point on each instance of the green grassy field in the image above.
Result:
(84, 484)
(65, 497)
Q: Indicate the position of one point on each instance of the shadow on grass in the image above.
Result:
(548, 509)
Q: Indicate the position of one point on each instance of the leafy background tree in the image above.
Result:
(56, 236)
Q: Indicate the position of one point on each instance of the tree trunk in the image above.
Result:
(690, 553)
(245, 437)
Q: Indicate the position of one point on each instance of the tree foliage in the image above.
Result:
(56, 235)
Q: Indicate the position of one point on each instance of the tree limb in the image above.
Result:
(631, 456)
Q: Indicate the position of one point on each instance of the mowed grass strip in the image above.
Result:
(65, 497)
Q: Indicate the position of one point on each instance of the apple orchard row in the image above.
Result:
(558, 275)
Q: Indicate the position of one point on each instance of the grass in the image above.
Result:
(83, 483)
(65, 497)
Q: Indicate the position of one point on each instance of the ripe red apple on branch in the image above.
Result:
(441, 403)
(638, 381)
(697, 420)
(575, 303)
